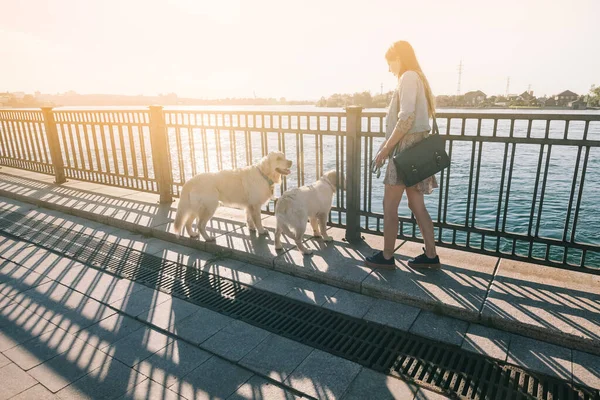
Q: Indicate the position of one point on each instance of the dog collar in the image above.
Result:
(329, 183)
(269, 180)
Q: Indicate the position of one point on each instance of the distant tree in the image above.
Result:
(594, 96)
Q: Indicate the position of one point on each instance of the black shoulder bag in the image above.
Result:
(422, 160)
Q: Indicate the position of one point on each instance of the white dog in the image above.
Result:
(249, 188)
(311, 203)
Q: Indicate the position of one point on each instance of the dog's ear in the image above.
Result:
(332, 177)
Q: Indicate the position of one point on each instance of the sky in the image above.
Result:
(294, 49)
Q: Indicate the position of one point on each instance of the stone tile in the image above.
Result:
(170, 364)
(48, 264)
(440, 328)
(68, 309)
(586, 369)
(214, 379)
(9, 247)
(13, 380)
(530, 298)
(459, 287)
(167, 313)
(349, 303)
(19, 325)
(108, 381)
(150, 390)
(276, 357)
(15, 279)
(183, 255)
(323, 375)
(540, 356)
(200, 326)
(311, 292)
(144, 214)
(37, 392)
(44, 347)
(109, 330)
(77, 361)
(487, 341)
(3, 360)
(424, 394)
(109, 289)
(235, 340)
(370, 384)
(279, 283)
(339, 263)
(390, 313)
(140, 301)
(259, 388)
(138, 346)
(237, 271)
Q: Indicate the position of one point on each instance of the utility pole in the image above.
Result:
(507, 86)
(460, 69)
(382, 88)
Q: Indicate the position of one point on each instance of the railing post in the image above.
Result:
(160, 155)
(353, 156)
(54, 144)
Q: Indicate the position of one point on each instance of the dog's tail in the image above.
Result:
(286, 220)
(182, 212)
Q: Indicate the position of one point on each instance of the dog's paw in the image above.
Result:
(316, 234)
(263, 231)
(251, 228)
(307, 252)
(328, 238)
(210, 239)
(279, 247)
(194, 235)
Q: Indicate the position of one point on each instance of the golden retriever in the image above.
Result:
(308, 203)
(250, 188)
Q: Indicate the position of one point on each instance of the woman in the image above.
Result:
(407, 123)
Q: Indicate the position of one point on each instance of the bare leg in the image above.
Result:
(391, 200)
(416, 203)
(315, 226)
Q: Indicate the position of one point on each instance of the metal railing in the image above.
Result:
(518, 185)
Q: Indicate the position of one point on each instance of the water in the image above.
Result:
(553, 216)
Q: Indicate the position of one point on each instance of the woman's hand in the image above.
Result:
(382, 155)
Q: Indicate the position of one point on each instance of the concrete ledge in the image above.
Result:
(558, 306)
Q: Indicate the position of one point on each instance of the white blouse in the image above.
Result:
(409, 101)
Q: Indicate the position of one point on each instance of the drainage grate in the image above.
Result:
(436, 366)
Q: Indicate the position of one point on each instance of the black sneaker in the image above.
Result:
(377, 260)
(423, 261)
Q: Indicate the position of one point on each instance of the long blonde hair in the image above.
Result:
(403, 51)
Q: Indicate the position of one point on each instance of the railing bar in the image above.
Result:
(94, 134)
(547, 167)
(141, 136)
(133, 152)
(580, 193)
(447, 181)
(535, 191)
(111, 134)
(86, 140)
(123, 155)
(573, 185)
(72, 143)
(510, 172)
(502, 177)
